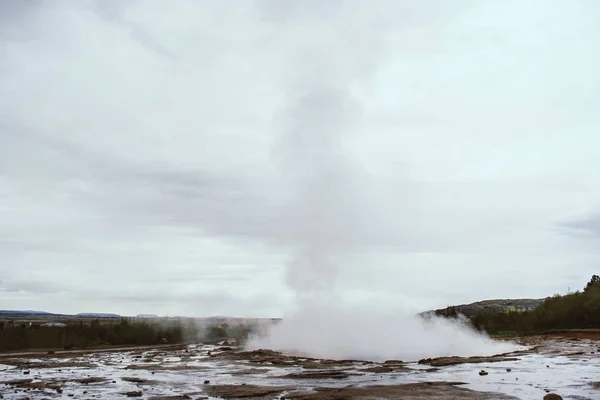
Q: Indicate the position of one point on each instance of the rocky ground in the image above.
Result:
(568, 365)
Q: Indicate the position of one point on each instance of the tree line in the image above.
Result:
(578, 310)
(108, 333)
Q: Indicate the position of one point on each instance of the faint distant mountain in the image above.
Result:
(97, 315)
(147, 316)
(23, 312)
(44, 315)
(493, 306)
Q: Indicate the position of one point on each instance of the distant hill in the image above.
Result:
(97, 315)
(43, 314)
(493, 306)
(22, 312)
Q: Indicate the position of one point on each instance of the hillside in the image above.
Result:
(493, 306)
(32, 314)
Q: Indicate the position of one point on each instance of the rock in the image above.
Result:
(552, 396)
(508, 369)
(394, 362)
(26, 372)
(91, 379)
(454, 360)
(206, 382)
(134, 394)
(51, 352)
(246, 391)
(483, 373)
(134, 379)
(327, 374)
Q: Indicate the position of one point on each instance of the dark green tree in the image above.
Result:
(593, 283)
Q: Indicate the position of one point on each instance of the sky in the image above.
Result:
(154, 155)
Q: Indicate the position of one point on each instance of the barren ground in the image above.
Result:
(565, 363)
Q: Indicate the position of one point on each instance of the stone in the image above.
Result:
(552, 396)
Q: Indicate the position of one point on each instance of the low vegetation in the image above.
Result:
(82, 335)
(22, 335)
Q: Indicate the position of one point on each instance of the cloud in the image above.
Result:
(136, 147)
(590, 224)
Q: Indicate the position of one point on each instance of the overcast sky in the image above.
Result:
(146, 160)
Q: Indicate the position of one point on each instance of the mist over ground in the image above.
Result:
(335, 330)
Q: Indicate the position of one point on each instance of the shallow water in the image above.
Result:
(551, 369)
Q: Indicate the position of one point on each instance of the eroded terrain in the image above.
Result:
(567, 365)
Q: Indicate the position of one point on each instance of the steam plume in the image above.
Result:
(323, 222)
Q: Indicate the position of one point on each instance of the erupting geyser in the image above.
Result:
(322, 222)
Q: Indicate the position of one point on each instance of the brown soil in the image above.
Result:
(454, 360)
(133, 393)
(24, 364)
(244, 391)
(326, 364)
(181, 397)
(573, 334)
(89, 380)
(413, 391)
(573, 347)
(133, 379)
(249, 371)
(329, 374)
(593, 335)
(28, 384)
(384, 369)
(162, 367)
(98, 349)
(275, 358)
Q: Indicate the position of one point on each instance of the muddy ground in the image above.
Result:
(565, 364)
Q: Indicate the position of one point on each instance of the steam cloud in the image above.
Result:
(323, 222)
(320, 215)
